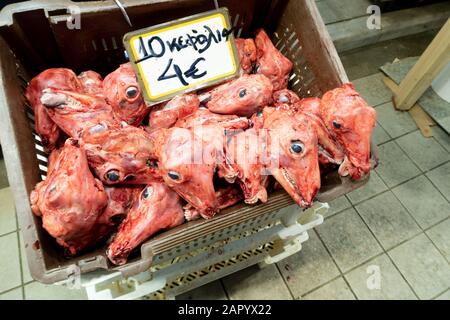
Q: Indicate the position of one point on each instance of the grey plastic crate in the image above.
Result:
(34, 36)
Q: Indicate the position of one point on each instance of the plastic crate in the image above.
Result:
(34, 36)
(265, 245)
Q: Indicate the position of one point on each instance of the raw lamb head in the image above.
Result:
(120, 200)
(227, 196)
(204, 117)
(243, 164)
(285, 99)
(70, 200)
(330, 151)
(271, 62)
(187, 164)
(77, 113)
(122, 91)
(351, 120)
(243, 96)
(122, 155)
(91, 82)
(166, 115)
(246, 50)
(157, 208)
(56, 78)
(293, 153)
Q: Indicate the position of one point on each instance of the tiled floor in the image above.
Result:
(397, 227)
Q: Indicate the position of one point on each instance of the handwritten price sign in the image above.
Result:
(183, 56)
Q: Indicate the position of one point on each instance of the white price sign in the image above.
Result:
(183, 56)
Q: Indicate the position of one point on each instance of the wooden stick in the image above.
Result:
(421, 118)
(419, 78)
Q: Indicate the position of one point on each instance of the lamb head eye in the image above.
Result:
(174, 175)
(112, 175)
(337, 125)
(131, 92)
(283, 98)
(147, 192)
(296, 146)
(242, 93)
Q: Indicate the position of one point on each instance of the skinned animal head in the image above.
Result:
(76, 113)
(122, 156)
(157, 208)
(70, 200)
(243, 96)
(55, 78)
(243, 164)
(293, 152)
(204, 117)
(246, 50)
(330, 151)
(187, 164)
(122, 91)
(351, 120)
(166, 115)
(271, 62)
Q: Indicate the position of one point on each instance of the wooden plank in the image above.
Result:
(419, 78)
(436, 107)
(421, 118)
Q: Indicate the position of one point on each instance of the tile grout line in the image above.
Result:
(424, 173)
(403, 135)
(336, 213)
(434, 137)
(341, 273)
(423, 231)
(8, 233)
(386, 252)
(11, 289)
(439, 191)
(224, 289)
(434, 244)
(284, 281)
(415, 162)
(435, 224)
(320, 286)
(439, 294)
(350, 287)
(20, 254)
(434, 185)
(346, 20)
(370, 198)
(343, 276)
